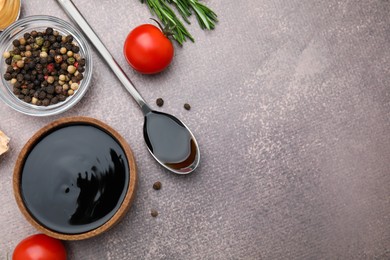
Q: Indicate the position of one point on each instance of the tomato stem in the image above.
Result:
(167, 31)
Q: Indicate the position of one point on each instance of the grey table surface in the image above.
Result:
(290, 104)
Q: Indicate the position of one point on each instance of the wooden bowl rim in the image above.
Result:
(127, 201)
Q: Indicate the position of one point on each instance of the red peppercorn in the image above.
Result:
(50, 67)
(76, 64)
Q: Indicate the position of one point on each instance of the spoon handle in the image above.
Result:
(72, 11)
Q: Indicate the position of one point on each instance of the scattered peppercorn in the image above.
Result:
(157, 185)
(160, 102)
(44, 67)
(154, 213)
(187, 106)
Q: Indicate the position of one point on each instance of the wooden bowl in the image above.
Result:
(28, 163)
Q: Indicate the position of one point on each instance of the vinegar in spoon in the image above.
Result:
(170, 142)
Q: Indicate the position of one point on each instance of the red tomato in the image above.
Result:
(147, 49)
(40, 247)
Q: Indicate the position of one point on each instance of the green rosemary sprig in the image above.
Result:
(205, 16)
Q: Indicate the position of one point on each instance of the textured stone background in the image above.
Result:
(290, 104)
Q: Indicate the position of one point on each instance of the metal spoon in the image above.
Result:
(169, 141)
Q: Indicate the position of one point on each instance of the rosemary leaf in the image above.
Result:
(205, 16)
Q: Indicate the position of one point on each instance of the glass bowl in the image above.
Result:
(40, 23)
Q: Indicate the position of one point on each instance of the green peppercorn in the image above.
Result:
(16, 57)
(39, 41)
(70, 60)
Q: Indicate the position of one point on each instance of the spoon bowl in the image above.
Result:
(170, 142)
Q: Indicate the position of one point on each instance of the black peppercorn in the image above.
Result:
(160, 102)
(79, 77)
(16, 51)
(187, 106)
(20, 77)
(69, 38)
(17, 85)
(39, 67)
(58, 89)
(27, 36)
(75, 49)
(154, 213)
(16, 91)
(16, 43)
(25, 91)
(42, 95)
(49, 30)
(40, 77)
(46, 102)
(7, 76)
(27, 99)
(50, 89)
(61, 97)
(30, 40)
(157, 185)
(54, 100)
(81, 62)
